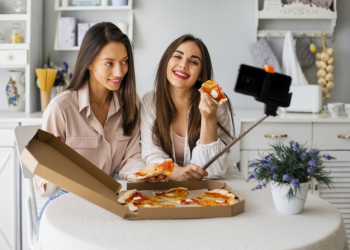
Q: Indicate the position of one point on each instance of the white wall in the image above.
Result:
(226, 26)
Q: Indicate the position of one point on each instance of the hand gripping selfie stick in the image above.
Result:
(272, 99)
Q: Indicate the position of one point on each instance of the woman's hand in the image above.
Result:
(207, 107)
(191, 172)
(155, 178)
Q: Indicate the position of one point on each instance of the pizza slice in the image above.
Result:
(174, 195)
(213, 89)
(165, 168)
(135, 199)
(217, 197)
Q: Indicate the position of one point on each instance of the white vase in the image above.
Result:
(15, 90)
(292, 206)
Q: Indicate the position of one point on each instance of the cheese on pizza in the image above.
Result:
(174, 195)
(213, 89)
(165, 168)
(217, 197)
(135, 199)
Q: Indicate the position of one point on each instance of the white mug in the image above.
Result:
(335, 108)
(347, 108)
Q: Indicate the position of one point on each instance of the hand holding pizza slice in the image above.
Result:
(165, 169)
(213, 89)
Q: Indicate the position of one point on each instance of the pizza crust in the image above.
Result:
(126, 195)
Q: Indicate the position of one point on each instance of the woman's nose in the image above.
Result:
(184, 64)
(118, 71)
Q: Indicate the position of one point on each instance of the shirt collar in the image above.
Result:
(84, 99)
(83, 96)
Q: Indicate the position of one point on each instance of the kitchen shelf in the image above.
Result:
(13, 17)
(293, 11)
(61, 9)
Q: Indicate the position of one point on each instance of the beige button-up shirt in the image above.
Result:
(70, 115)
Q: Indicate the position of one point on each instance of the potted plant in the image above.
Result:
(290, 169)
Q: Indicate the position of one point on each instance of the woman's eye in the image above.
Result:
(125, 62)
(194, 62)
(108, 64)
(179, 57)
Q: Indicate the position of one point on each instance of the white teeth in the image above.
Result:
(114, 80)
(178, 73)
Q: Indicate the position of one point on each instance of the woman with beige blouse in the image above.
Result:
(98, 114)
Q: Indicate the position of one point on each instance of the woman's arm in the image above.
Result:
(54, 121)
(222, 167)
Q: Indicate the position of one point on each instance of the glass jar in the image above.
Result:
(16, 35)
(19, 6)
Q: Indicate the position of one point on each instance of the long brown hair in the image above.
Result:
(165, 108)
(94, 40)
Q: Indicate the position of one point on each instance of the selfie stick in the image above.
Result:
(270, 110)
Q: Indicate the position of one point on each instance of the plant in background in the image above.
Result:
(290, 164)
(64, 73)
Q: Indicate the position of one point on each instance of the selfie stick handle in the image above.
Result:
(235, 140)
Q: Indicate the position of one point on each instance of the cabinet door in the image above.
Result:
(339, 194)
(8, 198)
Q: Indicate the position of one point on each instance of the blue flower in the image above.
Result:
(253, 165)
(266, 161)
(303, 156)
(274, 176)
(295, 182)
(286, 177)
(259, 186)
(251, 176)
(314, 153)
(328, 157)
(312, 162)
(310, 170)
(291, 142)
(296, 146)
(273, 169)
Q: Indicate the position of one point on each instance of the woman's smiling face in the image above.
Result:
(109, 66)
(185, 66)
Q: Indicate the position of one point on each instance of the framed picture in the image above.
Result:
(86, 2)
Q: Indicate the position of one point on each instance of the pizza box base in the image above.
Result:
(50, 158)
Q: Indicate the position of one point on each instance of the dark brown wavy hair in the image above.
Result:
(94, 40)
(166, 112)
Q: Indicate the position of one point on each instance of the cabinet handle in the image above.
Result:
(9, 57)
(344, 136)
(275, 136)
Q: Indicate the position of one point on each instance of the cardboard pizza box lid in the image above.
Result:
(50, 158)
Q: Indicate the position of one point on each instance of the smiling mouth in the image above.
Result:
(181, 74)
(115, 81)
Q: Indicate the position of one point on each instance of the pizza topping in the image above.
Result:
(165, 168)
(214, 94)
(137, 198)
(213, 89)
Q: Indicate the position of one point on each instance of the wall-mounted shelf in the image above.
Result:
(61, 9)
(297, 10)
(13, 17)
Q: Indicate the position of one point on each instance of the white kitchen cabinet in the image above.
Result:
(9, 190)
(24, 56)
(327, 134)
(76, 11)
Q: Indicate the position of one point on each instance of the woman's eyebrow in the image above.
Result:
(179, 51)
(111, 59)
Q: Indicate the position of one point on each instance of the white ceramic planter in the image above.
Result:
(285, 206)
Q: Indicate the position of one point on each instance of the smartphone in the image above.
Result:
(264, 87)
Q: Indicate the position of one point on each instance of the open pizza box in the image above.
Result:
(48, 157)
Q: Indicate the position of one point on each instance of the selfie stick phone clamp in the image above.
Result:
(270, 110)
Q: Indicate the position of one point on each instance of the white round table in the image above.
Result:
(71, 222)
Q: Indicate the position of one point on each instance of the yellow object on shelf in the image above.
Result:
(46, 80)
